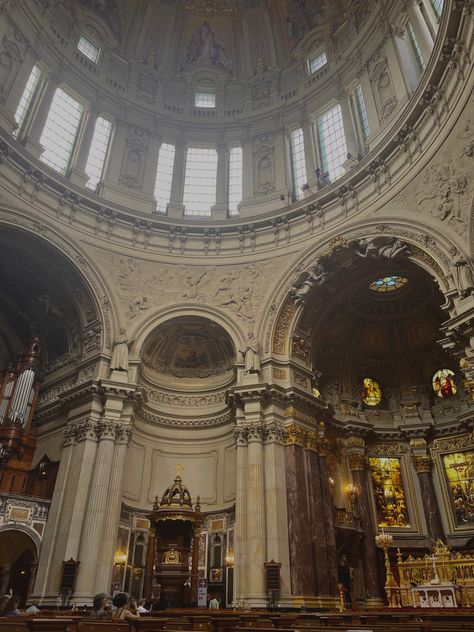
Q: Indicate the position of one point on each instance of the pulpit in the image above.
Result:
(171, 575)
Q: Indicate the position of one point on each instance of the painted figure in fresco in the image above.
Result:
(205, 47)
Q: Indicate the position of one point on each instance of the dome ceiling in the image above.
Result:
(191, 349)
(230, 34)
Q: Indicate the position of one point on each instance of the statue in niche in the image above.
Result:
(377, 247)
(119, 361)
(307, 281)
(463, 275)
(205, 48)
(251, 354)
(147, 76)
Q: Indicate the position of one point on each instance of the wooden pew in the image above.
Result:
(13, 625)
(93, 625)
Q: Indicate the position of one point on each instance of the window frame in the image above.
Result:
(315, 118)
(110, 120)
(205, 92)
(22, 130)
(313, 57)
(173, 144)
(75, 146)
(235, 212)
(194, 213)
(91, 42)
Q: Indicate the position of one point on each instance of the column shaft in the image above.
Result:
(240, 553)
(92, 531)
(301, 557)
(149, 177)
(423, 465)
(309, 151)
(175, 206)
(422, 32)
(256, 545)
(329, 527)
(219, 210)
(112, 517)
(369, 553)
(349, 128)
(78, 169)
(15, 93)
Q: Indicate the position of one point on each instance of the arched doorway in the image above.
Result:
(18, 556)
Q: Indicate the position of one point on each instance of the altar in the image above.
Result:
(434, 596)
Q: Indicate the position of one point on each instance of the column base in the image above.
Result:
(256, 601)
(175, 210)
(33, 146)
(131, 198)
(310, 601)
(219, 211)
(374, 603)
(79, 177)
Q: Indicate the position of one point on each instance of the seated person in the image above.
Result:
(33, 608)
(100, 607)
(125, 608)
(11, 608)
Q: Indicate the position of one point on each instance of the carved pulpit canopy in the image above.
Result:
(176, 502)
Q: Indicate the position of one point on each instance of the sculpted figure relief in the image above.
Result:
(251, 354)
(307, 281)
(119, 361)
(463, 275)
(381, 246)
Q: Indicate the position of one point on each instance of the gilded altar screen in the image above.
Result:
(459, 469)
(390, 499)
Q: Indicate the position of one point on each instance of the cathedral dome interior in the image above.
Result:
(236, 275)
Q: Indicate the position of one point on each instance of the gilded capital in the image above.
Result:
(357, 462)
(422, 464)
(296, 435)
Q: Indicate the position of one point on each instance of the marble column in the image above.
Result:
(256, 541)
(32, 140)
(373, 584)
(63, 528)
(149, 563)
(94, 517)
(423, 466)
(240, 549)
(309, 151)
(78, 168)
(195, 564)
(302, 567)
(318, 536)
(175, 206)
(276, 506)
(219, 210)
(329, 519)
(123, 433)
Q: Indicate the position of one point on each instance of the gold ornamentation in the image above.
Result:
(300, 379)
(291, 411)
(279, 374)
(356, 442)
(453, 443)
(282, 327)
(357, 462)
(171, 557)
(388, 449)
(295, 435)
(422, 464)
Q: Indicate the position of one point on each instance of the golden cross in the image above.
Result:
(179, 469)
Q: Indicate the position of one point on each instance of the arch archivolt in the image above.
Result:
(427, 248)
(28, 531)
(104, 307)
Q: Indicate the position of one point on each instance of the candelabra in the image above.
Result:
(384, 541)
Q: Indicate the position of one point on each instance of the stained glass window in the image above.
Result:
(388, 283)
(390, 499)
(444, 383)
(371, 392)
(459, 469)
